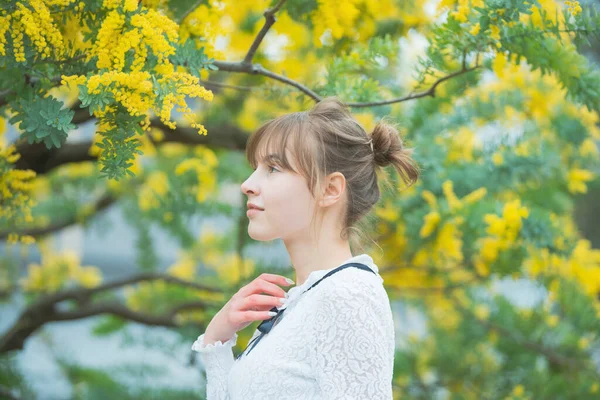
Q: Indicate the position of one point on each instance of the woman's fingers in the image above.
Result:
(259, 302)
(265, 283)
(258, 315)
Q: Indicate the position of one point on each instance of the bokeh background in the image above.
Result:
(113, 260)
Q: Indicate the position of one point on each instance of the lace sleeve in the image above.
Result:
(217, 359)
(353, 350)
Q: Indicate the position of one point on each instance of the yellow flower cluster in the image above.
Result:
(156, 296)
(4, 25)
(464, 7)
(16, 35)
(14, 238)
(77, 170)
(184, 268)
(165, 111)
(231, 268)
(204, 22)
(355, 19)
(482, 312)
(185, 84)
(128, 5)
(338, 19)
(461, 144)
(145, 295)
(155, 186)
(503, 232)
(582, 266)
(446, 248)
(58, 271)
(442, 311)
(59, 3)
(574, 7)
(519, 390)
(544, 99)
(16, 186)
(149, 30)
(133, 90)
(432, 219)
(577, 178)
(507, 227)
(72, 80)
(39, 26)
(108, 39)
(203, 165)
(190, 316)
(153, 26)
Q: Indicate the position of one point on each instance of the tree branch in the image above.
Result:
(82, 294)
(269, 21)
(45, 310)
(41, 160)
(104, 202)
(549, 354)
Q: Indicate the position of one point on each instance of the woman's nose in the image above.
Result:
(248, 187)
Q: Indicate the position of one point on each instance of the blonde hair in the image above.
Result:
(327, 139)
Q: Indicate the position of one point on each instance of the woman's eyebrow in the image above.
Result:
(272, 157)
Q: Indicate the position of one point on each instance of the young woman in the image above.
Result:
(336, 337)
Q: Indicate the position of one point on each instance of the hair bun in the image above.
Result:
(388, 148)
(383, 136)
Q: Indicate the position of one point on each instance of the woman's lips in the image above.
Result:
(253, 211)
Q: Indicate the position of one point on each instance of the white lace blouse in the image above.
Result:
(336, 341)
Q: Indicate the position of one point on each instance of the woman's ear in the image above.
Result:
(334, 187)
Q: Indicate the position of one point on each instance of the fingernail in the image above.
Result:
(288, 280)
(272, 313)
(287, 295)
(282, 300)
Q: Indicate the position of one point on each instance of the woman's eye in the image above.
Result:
(272, 167)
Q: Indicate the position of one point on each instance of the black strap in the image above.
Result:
(266, 326)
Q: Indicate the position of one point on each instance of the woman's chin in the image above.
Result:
(258, 235)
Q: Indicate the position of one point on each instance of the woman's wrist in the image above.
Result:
(208, 339)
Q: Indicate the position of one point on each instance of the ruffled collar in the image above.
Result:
(314, 276)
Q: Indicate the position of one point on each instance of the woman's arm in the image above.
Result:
(354, 340)
(217, 359)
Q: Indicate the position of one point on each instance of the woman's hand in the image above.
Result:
(246, 306)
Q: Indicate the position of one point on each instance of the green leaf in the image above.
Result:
(108, 325)
(37, 118)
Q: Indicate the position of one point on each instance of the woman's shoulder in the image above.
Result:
(352, 297)
(351, 284)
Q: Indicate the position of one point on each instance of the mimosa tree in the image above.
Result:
(501, 108)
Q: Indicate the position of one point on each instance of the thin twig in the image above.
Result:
(429, 92)
(269, 21)
(257, 69)
(208, 84)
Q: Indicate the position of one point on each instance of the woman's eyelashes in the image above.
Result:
(270, 167)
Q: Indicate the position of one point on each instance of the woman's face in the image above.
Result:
(285, 198)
